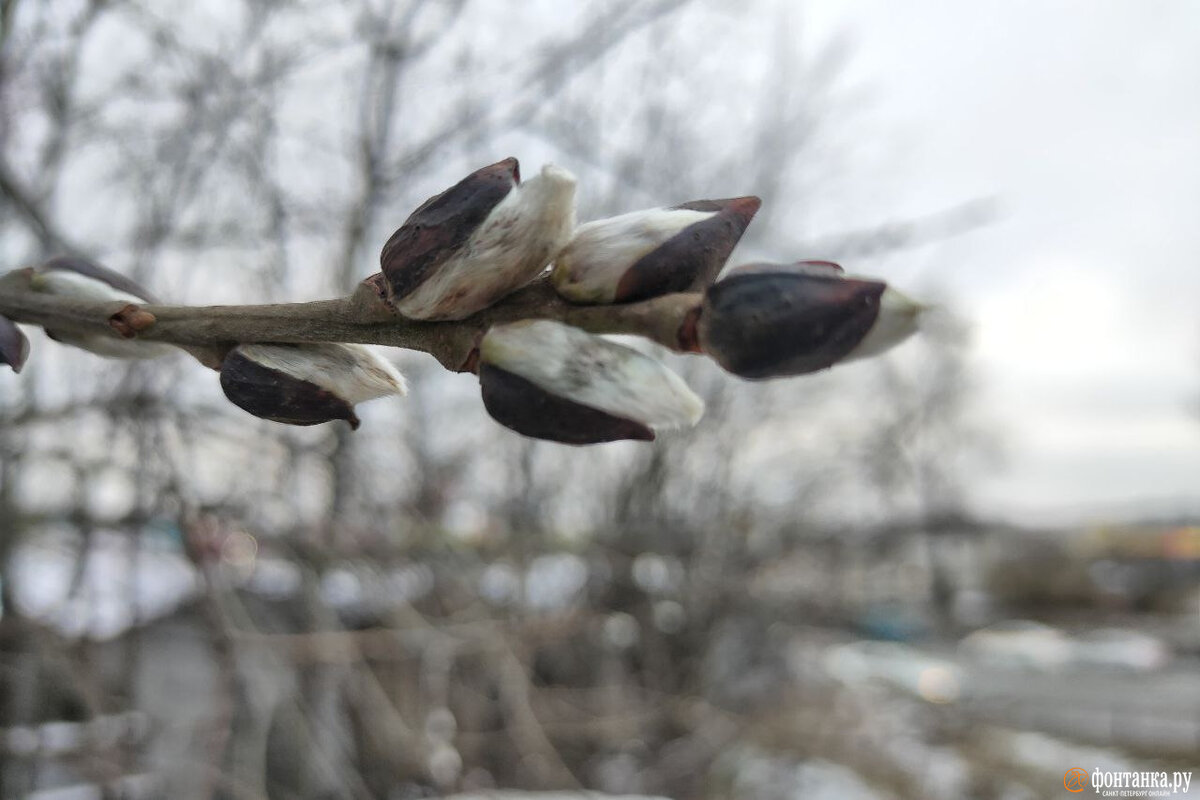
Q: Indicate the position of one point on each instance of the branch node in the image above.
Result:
(689, 338)
(372, 295)
(471, 364)
(131, 320)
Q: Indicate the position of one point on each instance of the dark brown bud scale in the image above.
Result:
(524, 407)
(692, 258)
(97, 272)
(274, 395)
(766, 325)
(442, 225)
(14, 347)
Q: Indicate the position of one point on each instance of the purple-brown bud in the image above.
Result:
(480, 240)
(648, 253)
(71, 276)
(14, 347)
(307, 384)
(775, 320)
(548, 380)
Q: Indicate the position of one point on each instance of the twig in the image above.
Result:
(360, 317)
(523, 724)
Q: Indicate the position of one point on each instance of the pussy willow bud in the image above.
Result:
(552, 381)
(648, 253)
(14, 347)
(774, 320)
(307, 384)
(478, 241)
(70, 276)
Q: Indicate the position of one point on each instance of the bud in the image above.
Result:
(774, 320)
(552, 381)
(647, 253)
(14, 347)
(70, 276)
(478, 241)
(78, 278)
(307, 384)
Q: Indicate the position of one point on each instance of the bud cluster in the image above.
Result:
(487, 236)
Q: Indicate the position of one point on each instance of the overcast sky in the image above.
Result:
(1083, 120)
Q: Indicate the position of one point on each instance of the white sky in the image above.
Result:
(1083, 120)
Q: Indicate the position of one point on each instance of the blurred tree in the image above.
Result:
(927, 444)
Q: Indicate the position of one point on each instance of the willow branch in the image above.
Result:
(362, 317)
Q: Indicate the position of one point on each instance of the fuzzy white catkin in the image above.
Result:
(515, 244)
(593, 371)
(65, 283)
(592, 264)
(351, 371)
(899, 318)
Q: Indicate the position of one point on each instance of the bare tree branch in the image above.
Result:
(360, 317)
(48, 235)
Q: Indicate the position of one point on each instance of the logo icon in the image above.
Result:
(1075, 779)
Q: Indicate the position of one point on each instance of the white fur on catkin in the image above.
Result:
(65, 283)
(591, 265)
(351, 371)
(515, 244)
(594, 372)
(898, 318)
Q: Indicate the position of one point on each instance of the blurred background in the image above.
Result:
(953, 572)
